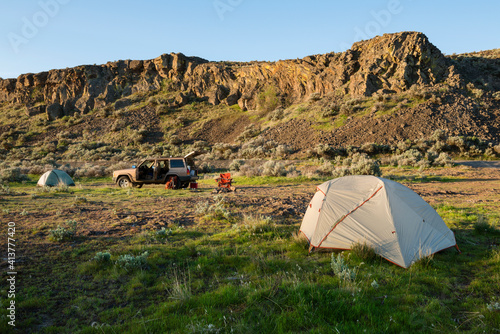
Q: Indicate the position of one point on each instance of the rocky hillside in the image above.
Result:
(389, 63)
(384, 90)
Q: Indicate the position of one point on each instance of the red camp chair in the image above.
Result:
(224, 182)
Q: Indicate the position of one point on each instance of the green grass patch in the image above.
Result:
(340, 121)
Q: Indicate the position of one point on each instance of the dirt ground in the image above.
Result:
(466, 185)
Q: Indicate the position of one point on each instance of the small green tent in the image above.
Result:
(54, 178)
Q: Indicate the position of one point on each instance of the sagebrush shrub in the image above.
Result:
(489, 153)
(365, 166)
(174, 140)
(404, 145)
(249, 171)
(326, 169)
(493, 307)
(379, 106)
(292, 171)
(131, 262)
(222, 150)
(89, 170)
(260, 147)
(61, 233)
(423, 164)
(12, 175)
(258, 223)
(346, 109)
(236, 165)
(438, 135)
(324, 150)
(443, 160)
(409, 158)
(5, 189)
(422, 144)
(206, 167)
(273, 168)
(277, 115)
(250, 131)
(118, 125)
(341, 269)
(439, 146)
(358, 164)
(102, 257)
(199, 145)
(282, 151)
(435, 99)
(474, 151)
(216, 211)
(330, 112)
(369, 148)
(163, 233)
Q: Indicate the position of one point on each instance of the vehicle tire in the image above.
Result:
(137, 185)
(123, 182)
(184, 184)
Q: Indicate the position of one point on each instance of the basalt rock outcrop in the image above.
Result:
(388, 63)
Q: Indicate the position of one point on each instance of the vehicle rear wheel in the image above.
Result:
(124, 182)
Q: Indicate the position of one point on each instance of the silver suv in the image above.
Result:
(179, 172)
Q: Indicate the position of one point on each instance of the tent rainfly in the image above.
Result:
(389, 217)
(54, 178)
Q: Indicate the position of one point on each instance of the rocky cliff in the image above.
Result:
(388, 63)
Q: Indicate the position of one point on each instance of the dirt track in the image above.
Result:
(480, 164)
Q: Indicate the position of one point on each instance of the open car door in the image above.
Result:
(191, 155)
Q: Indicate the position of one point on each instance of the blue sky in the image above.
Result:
(39, 35)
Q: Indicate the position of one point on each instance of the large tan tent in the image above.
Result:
(389, 217)
(54, 178)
